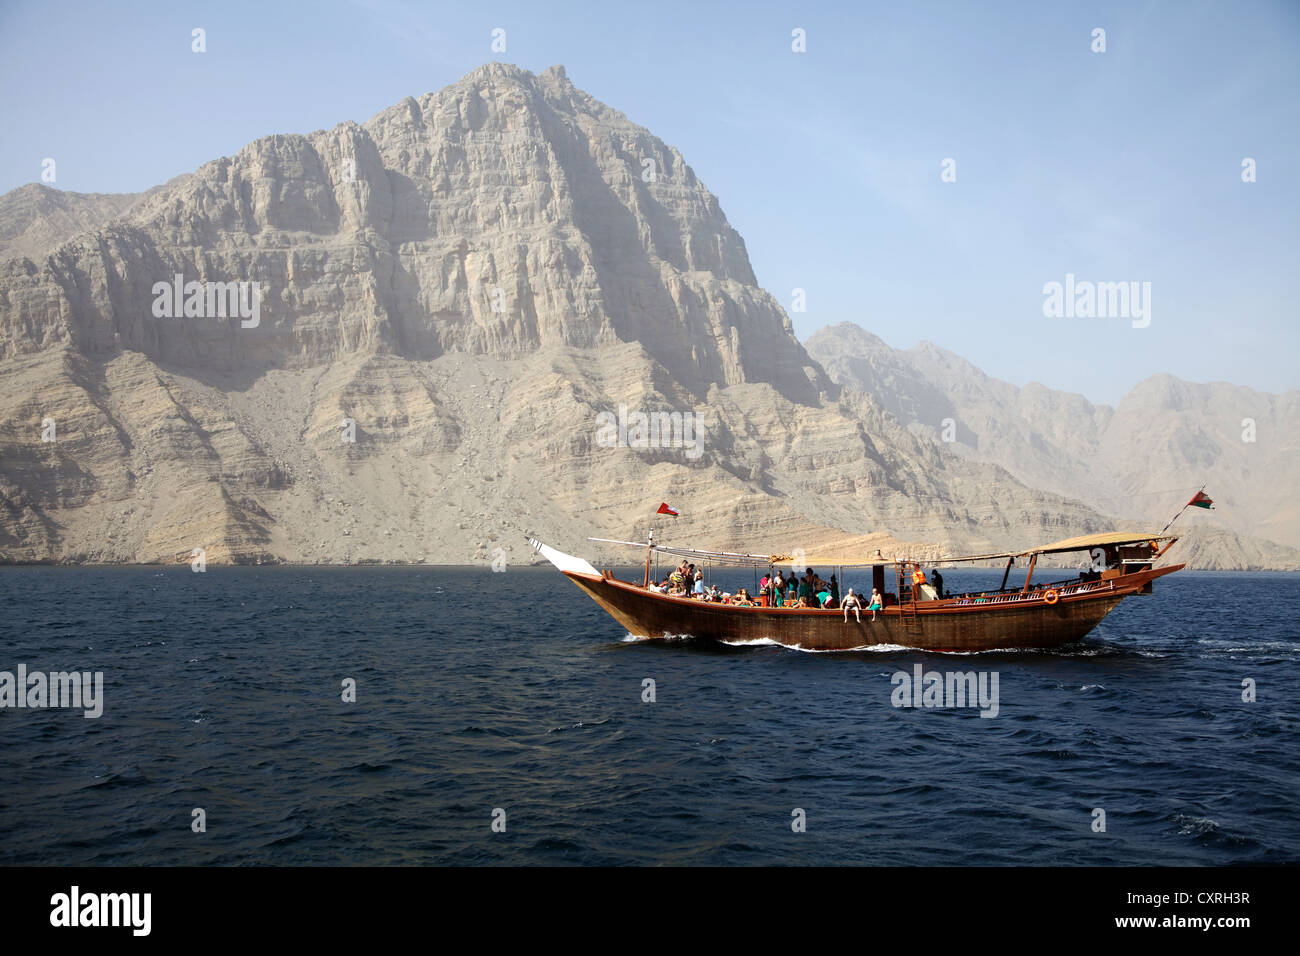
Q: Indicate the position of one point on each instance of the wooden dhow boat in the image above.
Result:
(1031, 615)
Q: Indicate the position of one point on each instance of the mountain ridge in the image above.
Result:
(1134, 458)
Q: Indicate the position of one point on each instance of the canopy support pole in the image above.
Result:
(1032, 561)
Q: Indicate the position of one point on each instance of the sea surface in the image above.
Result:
(510, 697)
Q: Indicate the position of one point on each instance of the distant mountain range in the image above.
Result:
(1164, 439)
(452, 297)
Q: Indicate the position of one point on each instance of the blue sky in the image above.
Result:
(1115, 166)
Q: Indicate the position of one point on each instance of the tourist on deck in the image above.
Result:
(805, 589)
(877, 603)
(835, 592)
(938, 583)
(852, 602)
(699, 586)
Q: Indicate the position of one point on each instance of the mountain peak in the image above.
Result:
(504, 213)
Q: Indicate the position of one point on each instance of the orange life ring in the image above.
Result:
(1050, 596)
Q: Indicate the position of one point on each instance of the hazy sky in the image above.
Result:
(1120, 166)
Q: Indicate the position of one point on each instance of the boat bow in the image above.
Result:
(567, 563)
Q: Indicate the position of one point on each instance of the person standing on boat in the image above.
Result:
(835, 592)
(699, 586)
(938, 583)
(778, 589)
(851, 600)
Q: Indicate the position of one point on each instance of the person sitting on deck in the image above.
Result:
(805, 589)
(851, 602)
(742, 599)
(877, 603)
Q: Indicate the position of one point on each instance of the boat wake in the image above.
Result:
(635, 639)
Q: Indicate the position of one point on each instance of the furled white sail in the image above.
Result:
(565, 562)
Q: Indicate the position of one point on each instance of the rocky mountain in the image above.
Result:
(1141, 459)
(405, 341)
(36, 218)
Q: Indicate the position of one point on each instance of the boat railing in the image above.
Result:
(1066, 588)
(1062, 589)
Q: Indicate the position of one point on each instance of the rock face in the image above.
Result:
(450, 297)
(1142, 459)
(36, 218)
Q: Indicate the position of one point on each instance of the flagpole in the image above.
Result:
(1181, 510)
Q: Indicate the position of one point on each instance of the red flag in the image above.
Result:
(665, 510)
(1201, 500)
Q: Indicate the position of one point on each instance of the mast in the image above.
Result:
(649, 546)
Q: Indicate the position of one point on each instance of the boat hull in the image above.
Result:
(1006, 622)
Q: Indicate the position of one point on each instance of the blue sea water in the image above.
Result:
(479, 692)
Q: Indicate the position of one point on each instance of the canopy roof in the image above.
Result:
(1084, 542)
(841, 559)
(1109, 539)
